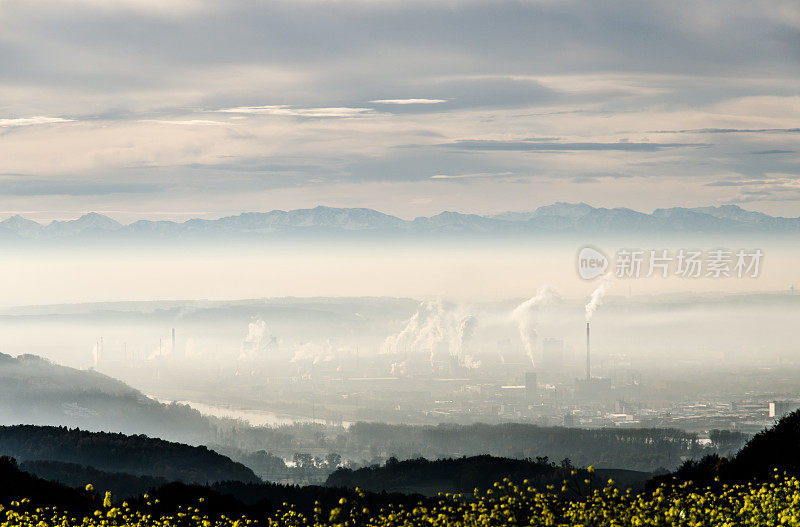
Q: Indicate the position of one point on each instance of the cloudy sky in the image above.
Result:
(183, 108)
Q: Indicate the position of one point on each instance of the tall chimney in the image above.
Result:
(588, 363)
(174, 353)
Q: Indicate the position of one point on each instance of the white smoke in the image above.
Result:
(597, 296)
(523, 315)
(258, 340)
(310, 353)
(466, 330)
(435, 329)
(423, 332)
(256, 332)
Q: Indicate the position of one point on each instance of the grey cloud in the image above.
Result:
(542, 146)
(402, 42)
(762, 198)
(108, 65)
(584, 179)
(249, 165)
(42, 187)
(659, 34)
(729, 131)
(471, 93)
(726, 184)
(417, 164)
(597, 176)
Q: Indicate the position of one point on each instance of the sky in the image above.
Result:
(193, 108)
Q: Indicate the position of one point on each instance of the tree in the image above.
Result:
(333, 460)
(303, 460)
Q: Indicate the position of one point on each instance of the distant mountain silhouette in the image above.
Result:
(558, 218)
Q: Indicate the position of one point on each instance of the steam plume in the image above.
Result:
(423, 332)
(597, 296)
(258, 340)
(434, 328)
(522, 315)
(466, 330)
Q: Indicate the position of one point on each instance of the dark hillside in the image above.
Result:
(777, 447)
(464, 474)
(138, 454)
(16, 485)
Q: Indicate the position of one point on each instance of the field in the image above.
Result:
(765, 503)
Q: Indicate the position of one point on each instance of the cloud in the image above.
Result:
(188, 122)
(156, 7)
(30, 121)
(547, 146)
(408, 101)
(597, 176)
(454, 93)
(41, 187)
(732, 183)
(227, 99)
(729, 131)
(772, 188)
(772, 181)
(284, 110)
(260, 165)
(472, 176)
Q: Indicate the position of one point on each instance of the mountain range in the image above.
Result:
(558, 218)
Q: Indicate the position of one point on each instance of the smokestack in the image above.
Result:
(173, 342)
(588, 363)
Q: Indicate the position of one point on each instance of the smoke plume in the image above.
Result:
(258, 340)
(422, 333)
(523, 315)
(466, 330)
(597, 296)
(435, 329)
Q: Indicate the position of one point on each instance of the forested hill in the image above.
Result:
(35, 391)
(465, 474)
(136, 454)
(231, 498)
(770, 449)
(16, 484)
(644, 449)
